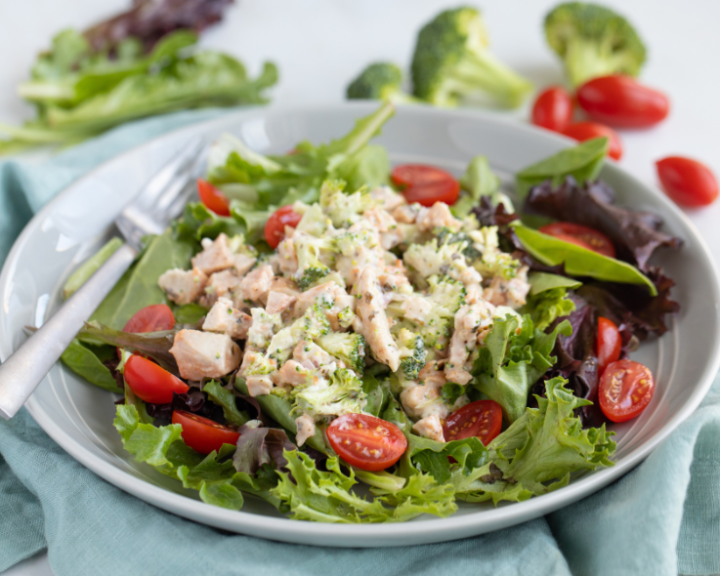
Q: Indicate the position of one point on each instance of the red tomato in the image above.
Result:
(609, 343)
(214, 200)
(622, 101)
(275, 226)
(150, 382)
(366, 442)
(553, 109)
(626, 388)
(582, 236)
(425, 184)
(686, 181)
(201, 434)
(151, 319)
(582, 131)
(482, 418)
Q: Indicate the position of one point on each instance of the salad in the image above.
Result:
(320, 320)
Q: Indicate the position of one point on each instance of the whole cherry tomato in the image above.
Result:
(425, 184)
(482, 418)
(151, 382)
(582, 131)
(687, 181)
(622, 101)
(214, 200)
(201, 434)
(584, 236)
(366, 442)
(609, 343)
(275, 226)
(553, 109)
(626, 388)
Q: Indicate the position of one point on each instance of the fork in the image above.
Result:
(152, 209)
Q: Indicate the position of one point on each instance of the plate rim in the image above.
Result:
(284, 529)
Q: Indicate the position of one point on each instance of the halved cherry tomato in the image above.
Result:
(582, 236)
(275, 226)
(626, 388)
(151, 319)
(366, 442)
(553, 109)
(482, 418)
(609, 343)
(201, 434)
(213, 199)
(425, 184)
(582, 131)
(622, 101)
(687, 181)
(151, 382)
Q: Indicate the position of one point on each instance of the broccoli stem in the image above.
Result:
(585, 60)
(492, 76)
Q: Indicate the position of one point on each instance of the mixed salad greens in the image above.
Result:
(320, 320)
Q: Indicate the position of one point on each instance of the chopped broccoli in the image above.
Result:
(313, 221)
(342, 394)
(261, 365)
(452, 60)
(314, 322)
(263, 326)
(379, 81)
(446, 296)
(593, 41)
(346, 346)
(430, 259)
(447, 236)
(343, 208)
(346, 317)
(311, 275)
(314, 255)
(412, 353)
(348, 243)
(493, 262)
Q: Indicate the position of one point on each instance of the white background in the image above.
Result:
(320, 45)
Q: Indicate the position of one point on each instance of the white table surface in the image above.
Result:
(319, 45)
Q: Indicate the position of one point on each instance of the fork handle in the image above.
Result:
(21, 373)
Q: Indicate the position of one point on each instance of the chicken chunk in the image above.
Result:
(390, 234)
(439, 216)
(416, 308)
(469, 319)
(259, 385)
(183, 286)
(263, 327)
(287, 259)
(219, 285)
(305, 426)
(205, 355)
(215, 257)
(285, 286)
(372, 322)
(225, 319)
(387, 198)
(406, 213)
(309, 351)
(512, 293)
(430, 427)
(256, 284)
(277, 302)
(332, 298)
(292, 373)
(243, 263)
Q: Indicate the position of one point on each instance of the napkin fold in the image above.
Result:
(660, 519)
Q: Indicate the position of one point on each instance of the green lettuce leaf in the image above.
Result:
(478, 181)
(226, 399)
(433, 457)
(542, 281)
(544, 308)
(84, 361)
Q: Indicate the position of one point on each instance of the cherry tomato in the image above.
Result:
(425, 184)
(201, 434)
(582, 236)
(553, 109)
(366, 442)
(626, 388)
(150, 382)
(582, 131)
(622, 101)
(275, 226)
(686, 181)
(151, 319)
(213, 199)
(609, 343)
(482, 418)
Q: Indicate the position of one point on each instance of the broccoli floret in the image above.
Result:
(452, 60)
(344, 209)
(379, 81)
(341, 394)
(264, 324)
(348, 243)
(261, 365)
(431, 258)
(447, 236)
(412, 353)
(314, 322)
(313, 221)
(311, 275)
(493, 262)
(315, 256)
(446, 296)
(593, 41)
(346, 346)
(346, 317)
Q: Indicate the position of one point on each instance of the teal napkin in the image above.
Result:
(660, 519)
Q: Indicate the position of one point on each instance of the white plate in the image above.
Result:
(79, 416)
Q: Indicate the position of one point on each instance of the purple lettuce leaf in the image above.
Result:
(258, 446)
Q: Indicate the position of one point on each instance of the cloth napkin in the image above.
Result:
(660, 519)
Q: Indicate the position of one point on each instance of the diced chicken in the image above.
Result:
(332, 298)
(215, 257)
(393, 279)
(243, 263)
(439, 216)
(432, 373)
(387, 197)
(287, 259)
(256, 284)
(285, 286)
(259, 385)
(225, 319)
(205, 355)
(390, 234)
(277, 302)
(263, 328)
(183, 286)
(310, 352)
(292, 373)
(305, 429)
(469, 319)
(430, 427)
(219, 285)
(372, 322)
(512, 293)
(407, 213)
(417, 308)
